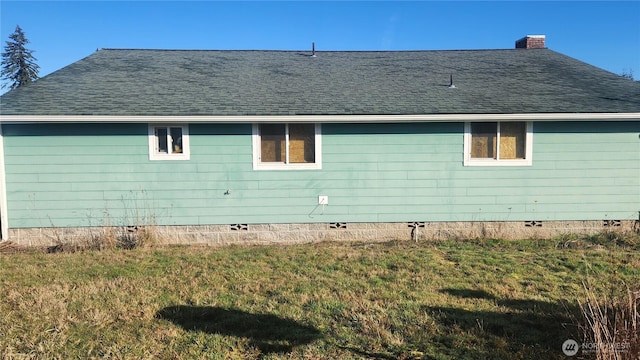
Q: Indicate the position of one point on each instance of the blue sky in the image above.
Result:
(604, 34)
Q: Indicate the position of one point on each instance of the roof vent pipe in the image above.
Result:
(451, 84)
(313, 49)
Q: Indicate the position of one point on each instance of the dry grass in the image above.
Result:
(611, 324)
(401, 300)
(610, 310)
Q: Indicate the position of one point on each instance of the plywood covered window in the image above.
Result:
(286, 146)
(168, 142)
(273, 143)
(498, 143)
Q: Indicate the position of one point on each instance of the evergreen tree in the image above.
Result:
(18, 64)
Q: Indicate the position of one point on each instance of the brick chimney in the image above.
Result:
(531, 42)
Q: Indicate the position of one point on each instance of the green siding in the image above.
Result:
(97, 174)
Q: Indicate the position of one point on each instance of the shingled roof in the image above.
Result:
(235, 83)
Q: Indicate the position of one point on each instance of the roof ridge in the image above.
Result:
(306, 50)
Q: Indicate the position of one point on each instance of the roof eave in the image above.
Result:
(12, 119)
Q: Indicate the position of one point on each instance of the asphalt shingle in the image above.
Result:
(235, 83)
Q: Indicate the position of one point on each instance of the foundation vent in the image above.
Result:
(415, 225)
(239, 227)
(611, 223)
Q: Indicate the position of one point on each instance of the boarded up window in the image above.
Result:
(512, 140)
(483, 140)
(501, 141)
(301, 143)
(272, 142)
(295, 142)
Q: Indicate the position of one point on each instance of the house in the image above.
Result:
(278, 146)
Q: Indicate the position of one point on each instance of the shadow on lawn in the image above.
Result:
(531, 328)
(269, 333)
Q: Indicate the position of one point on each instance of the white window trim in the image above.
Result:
(259, 165)
(527, 161)
(153, 150)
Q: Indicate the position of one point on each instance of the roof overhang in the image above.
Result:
(11, 119)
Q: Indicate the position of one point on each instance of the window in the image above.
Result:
(286, 146)
(168, 142)
(498, 143)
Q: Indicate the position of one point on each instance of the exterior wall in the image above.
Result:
(80, 175)
(581, 171)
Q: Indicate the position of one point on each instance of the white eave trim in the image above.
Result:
(8, 119)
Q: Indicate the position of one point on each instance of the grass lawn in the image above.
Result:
(475, 299)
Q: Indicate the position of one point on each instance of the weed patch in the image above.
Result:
(610, 324)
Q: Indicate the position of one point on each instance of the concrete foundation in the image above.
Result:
(315, 232)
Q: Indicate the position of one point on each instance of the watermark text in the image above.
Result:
(571, 347)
